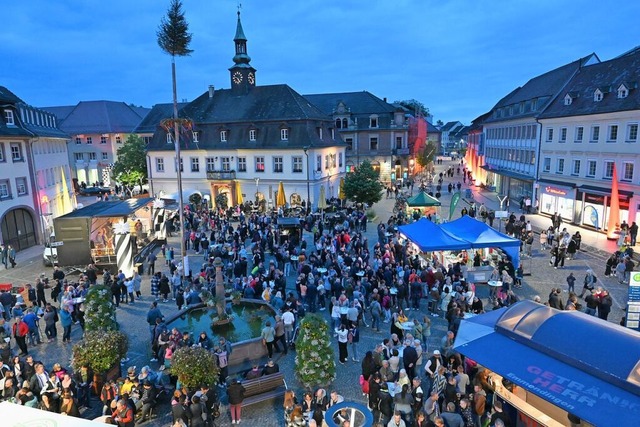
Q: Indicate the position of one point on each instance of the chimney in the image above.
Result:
(384, 99)
(211, 90)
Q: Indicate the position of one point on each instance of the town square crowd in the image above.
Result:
(409, 378)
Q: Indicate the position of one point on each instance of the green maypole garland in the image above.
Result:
(315, 361)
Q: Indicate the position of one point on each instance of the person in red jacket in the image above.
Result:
(20, 332)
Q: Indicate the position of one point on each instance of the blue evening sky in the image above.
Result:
(458, 57)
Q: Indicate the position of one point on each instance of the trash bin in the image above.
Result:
(467, 193)
(139, 267)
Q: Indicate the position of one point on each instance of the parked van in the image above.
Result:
(50, 255)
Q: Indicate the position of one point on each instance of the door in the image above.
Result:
(18, 229)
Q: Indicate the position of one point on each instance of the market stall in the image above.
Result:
(424, 204)
(549, 371)
(480, 236)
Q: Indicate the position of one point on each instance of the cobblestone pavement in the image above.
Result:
(132, 317)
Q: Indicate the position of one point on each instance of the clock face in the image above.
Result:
(251, 78)
(237, 77)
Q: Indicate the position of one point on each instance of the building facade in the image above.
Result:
(589, 128)
(35, 183)
(245, 140)
(373, 130)
(512, 131)
(97, 129)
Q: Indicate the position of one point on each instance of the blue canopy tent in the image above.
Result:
(480, 235)
(577, 362)
(430, 237)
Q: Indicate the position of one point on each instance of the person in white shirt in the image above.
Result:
(289, 319)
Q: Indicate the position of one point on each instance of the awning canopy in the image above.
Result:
(430, 237)
(18, 416)
(422, 199)
(480, 235)
(112, 209)
(580, 363)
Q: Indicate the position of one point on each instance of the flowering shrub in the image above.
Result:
(100, 350)
(315, 362)
(99, 311)
(194, 366)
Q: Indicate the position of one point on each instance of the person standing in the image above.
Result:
(604, 304)
(66, 322)
(50, 318)
(571, 281)
(268, 337)
(235, 392)
(354, 338)
(3, 255)
(280, 336)
(20, 332)
(342, 333)
(633, 233)
(151, 264)
(11, 255)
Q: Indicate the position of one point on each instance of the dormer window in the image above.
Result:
(252, 134)
(623, 92)
(196, 136)
(320, 132)
(568, 99)
(284, 134)
(223, 136)
(169, 138)
(373, 121)
(597, 95)
(8, 118)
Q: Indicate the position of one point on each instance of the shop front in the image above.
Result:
(593, 203)
(555, 198)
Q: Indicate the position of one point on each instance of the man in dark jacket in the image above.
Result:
(410, 357)
(385, 404)
(147, 400)
(604, 304)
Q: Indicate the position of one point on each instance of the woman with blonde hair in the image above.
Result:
(290, 402)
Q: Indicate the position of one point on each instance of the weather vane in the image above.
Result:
(239, 6)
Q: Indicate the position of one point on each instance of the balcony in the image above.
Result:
(221, 175)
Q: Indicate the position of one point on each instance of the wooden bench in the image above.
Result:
(266, 387)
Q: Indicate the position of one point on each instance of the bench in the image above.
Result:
(266, 387)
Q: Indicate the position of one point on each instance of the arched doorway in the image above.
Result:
(18, 229)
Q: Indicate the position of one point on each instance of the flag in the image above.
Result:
(593, 216)
(454, 202)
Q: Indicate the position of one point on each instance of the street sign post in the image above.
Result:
(633, 302)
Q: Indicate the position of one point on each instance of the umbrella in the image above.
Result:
(341, 194)
(281, 198)
(322, 202)
(239, 193)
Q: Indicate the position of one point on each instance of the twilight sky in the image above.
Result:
(458, 57)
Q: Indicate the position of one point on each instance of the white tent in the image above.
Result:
(14, 415)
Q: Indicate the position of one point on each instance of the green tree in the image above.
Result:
(131, 167)
(414, 106)
(100, 313)
(362, 185)
(425, 158)
(174, 39)
(315, 364)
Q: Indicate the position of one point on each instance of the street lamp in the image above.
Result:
(306, 149)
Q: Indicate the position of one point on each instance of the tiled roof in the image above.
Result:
(449, 126)
(261, 103)
(431, 128)
(159, 112)
(543, 88)
(266, 109)
(356, 102)
(6, 96)
(608, 74)
(99, 117)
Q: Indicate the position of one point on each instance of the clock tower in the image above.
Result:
(243, 75)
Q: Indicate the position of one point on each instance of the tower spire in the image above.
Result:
(242, 73)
